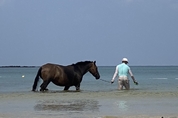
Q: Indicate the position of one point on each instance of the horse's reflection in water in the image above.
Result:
(71, 105)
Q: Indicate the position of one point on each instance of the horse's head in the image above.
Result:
(94, 70)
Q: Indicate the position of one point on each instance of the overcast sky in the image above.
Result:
(34, 32)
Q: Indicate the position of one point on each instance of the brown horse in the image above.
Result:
(67, 76)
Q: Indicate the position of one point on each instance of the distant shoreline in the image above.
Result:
(18, 66)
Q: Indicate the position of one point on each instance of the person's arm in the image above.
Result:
(114, 76)
(132, 76)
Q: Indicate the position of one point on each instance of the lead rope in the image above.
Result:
(105, 80)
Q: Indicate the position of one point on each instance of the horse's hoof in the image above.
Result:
(44, 89)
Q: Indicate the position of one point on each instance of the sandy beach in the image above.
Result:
(115, 104)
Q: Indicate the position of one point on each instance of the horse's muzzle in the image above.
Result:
(97, 77)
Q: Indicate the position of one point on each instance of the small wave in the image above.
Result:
(176, 78)
(160, 78)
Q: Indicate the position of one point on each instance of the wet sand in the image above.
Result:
(87, 104)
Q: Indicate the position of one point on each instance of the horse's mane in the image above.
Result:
(82, 63)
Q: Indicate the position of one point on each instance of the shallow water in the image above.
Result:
(87, 104)
(155, 96)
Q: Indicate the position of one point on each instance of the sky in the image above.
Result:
(35, 32)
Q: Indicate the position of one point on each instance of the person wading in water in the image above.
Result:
(122, 70)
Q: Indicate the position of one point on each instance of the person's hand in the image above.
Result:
(136, 83)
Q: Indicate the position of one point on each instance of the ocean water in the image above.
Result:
(150, 78)
(156, 94)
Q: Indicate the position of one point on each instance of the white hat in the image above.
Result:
(125, 59)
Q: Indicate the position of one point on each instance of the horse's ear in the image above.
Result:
(94, 62)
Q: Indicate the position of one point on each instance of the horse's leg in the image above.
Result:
(44, 85)
(66, 88)
(77, 87)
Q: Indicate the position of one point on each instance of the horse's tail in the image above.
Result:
(36, 79)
